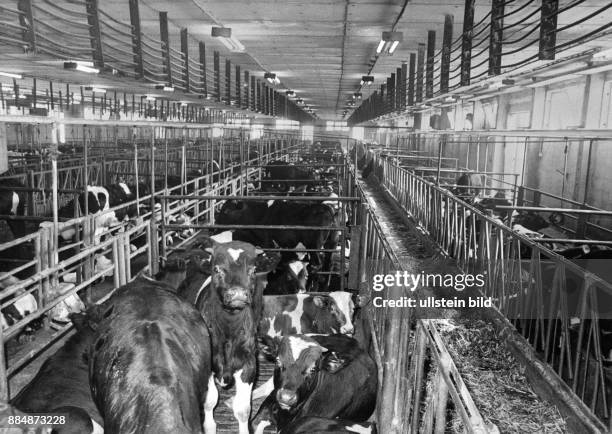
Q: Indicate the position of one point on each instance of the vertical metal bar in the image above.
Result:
(217, 76)
(203, 82)
(247, 91)
(429, 69)
(447, 40)
(185, 51)
(136, 37)
(419, 72)
(411, 76)
(95, 36)
(548, 29)
(165, 45)
(238, 87)
(228, 82)
(253, 99)
(496, 37)
(466, 42)
(26, 20)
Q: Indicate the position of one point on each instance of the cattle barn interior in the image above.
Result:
(210, 213)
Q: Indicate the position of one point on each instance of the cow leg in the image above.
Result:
(212, 396)
(241, 404)
(264, 390)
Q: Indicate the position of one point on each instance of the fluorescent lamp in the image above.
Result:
(164, 87)
(367, 80)
(271, 78)
(11, 75)
(389, 42)
(290, 93)
(95, 89)
(81, 66)
(393, 47)
(357, 95)
(150, 98)
(225, 36)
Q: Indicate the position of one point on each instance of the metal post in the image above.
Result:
(496, 37)
(419, 72)
(185, 51)
(548, 29)
(95, 36)
(136, 37)
(203, 83)
(228, 82)
(165, 45)
(466, 43)
(217, 76)
(447, 40)
(429, 70)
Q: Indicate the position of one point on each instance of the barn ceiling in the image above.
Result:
(320, 48)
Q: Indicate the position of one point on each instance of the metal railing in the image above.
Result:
(544, 296)
(405, 351)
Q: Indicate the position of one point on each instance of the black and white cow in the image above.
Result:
(319, 376)
(12, 203)
(150, 364)
(61, 385)
(230, 302)
(24, 303)
(292, 278)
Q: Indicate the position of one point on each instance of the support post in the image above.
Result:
(203, 82)
(402, 86)
(95, 36)
(466, 42)
(247, 90)
(429, 70)
(411, 76)
(548, 29)
(419, 74)
(26, 19)
(238, 87)
(228, 82)
(447, 40)
(217, 72)
(165, 45)
(497, 35)
(185, 51)
(136, 37)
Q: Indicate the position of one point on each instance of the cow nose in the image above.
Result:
(347, 330)
(236, 297)
(286, 398)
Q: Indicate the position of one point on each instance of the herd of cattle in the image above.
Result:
(152, 357)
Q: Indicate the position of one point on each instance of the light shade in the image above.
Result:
(164, 87)
(79, 66)
(367, 80)
(389, 42)
(225, 36)
(271, 77)
(290, 93)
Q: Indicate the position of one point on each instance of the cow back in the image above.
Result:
(150, 363)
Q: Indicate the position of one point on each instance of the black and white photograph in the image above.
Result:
(305, 217)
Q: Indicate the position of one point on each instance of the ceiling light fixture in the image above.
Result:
(164, 87)
(290, 93)
(357, 95)
(367, 80)
(81, 66)
(272, 78)
(389, 42)
(95, 89)
(299, 101)
(11, 75)
(225, 36)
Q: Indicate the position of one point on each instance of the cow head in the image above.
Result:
(234, 267)
(344, 310)
(298, 364)
(297, 274)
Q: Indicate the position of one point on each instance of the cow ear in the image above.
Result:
(319, 301)
(333, 362)
(267, 262)
(204, 243)
(269, 347)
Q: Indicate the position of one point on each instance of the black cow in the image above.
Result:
(292, 278)
(321, 425)
(234, 212)
(320, 376)
(61, 385)
(282, 176)
(150, 365)
(230, 305)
